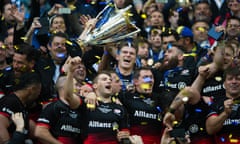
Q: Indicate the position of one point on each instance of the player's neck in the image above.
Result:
(104, 99)
(125, 71)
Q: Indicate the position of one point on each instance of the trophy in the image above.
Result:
(113, 25)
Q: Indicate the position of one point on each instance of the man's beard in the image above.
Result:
(172, 63)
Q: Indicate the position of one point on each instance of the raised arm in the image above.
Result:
(109, 51)
(28, 36)
(204, 72)
(187, 95)
(73, 100)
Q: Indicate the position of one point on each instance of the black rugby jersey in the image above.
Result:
(193, 122)
(173, 80)
(64, 123)
(11, 104)
(145, 115)
(103, 121)
(213, 87)
(231, 126)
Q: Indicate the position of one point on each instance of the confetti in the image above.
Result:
(175, 122)
(198, 110)
(233, 140)
(90, 106)
(143, 16)
(115, 126)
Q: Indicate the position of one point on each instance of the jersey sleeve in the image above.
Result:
(47, 117)
(9, 105)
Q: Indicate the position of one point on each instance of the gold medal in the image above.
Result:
(150, 62)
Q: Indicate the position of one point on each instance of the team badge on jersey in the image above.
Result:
(181, 85)
(194, 128)
(185, 72)
(104, 110)
(117, 111)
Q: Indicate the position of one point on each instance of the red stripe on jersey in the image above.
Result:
(67, 140)
(44, 125)
(5, 114)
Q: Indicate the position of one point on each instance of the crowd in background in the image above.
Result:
(175, 81)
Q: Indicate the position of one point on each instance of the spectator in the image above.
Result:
(11, 17)
(218, 8)
(50, 67)
(233, 5)
(168, 36)
(116, 83)
(155, 39)
(191, 48)
(143, 55)
(202, 11)
(174, 18)
(233, 28)
(81, 84)
(200, 34)
(9, 43)
(156, 18)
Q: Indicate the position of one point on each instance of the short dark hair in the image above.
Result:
(141, 40)
(127, 42)
(29, 51)
(3, 3)
(201, 2)
(200, 20)
(138, 70)
(56, 16)
(157, 10)
(95, 80)
(58, 34)
(233, 18)
(231, 70)
(170, 32)
(27, 79)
